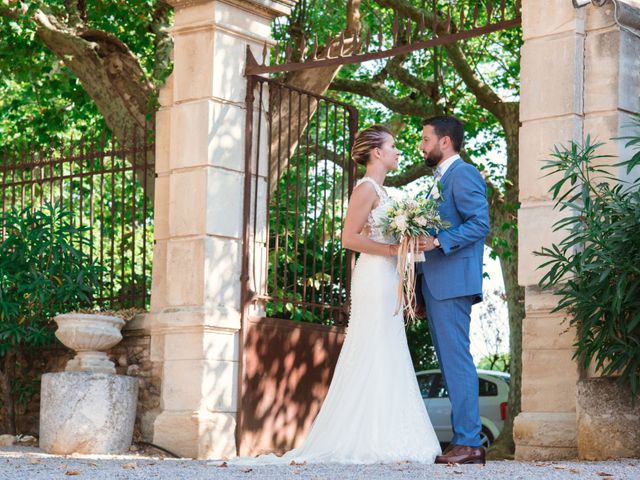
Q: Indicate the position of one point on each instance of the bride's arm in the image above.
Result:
(360, 204)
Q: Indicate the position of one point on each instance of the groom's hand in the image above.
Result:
(425, 244)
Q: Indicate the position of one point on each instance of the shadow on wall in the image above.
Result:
(288, 369)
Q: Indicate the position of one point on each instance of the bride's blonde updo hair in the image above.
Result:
(367, 140)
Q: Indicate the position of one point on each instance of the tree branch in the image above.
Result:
(487, 98)
(403, 105)
(394, 67)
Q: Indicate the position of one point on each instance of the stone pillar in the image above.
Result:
(195, 299)
(579, 76)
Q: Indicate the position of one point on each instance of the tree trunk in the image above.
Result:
(504, 446)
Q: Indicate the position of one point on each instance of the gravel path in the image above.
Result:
(33, 464)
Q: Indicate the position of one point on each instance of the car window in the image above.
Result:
(488, 389)
(439, 390)
(425, 383)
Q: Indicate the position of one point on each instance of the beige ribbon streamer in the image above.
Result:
(407, 285)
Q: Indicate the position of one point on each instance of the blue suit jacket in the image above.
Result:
(455, 270)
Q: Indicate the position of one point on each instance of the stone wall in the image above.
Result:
(131, 356)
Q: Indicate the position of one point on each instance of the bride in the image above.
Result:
(373, 411)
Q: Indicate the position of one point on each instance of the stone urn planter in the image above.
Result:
(88, 408)
(608, 425)
(90, 335)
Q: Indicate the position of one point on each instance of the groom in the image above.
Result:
(451, 278)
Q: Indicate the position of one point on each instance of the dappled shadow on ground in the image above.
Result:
(288, 366)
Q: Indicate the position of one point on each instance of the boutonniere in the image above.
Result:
(437, 192)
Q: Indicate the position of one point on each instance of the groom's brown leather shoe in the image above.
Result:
(462, 454)
(448, 448)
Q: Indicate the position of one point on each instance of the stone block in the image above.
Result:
(229, 64)
(196, 434)
(193, 53)
(159, 297)
(222, 273)
(599, 18)
(548, 380)
(535, 230)
(181, 318)
(537, 142)
(211, 133)
(161, 208)
(629, 66)
(201, 344)
(89, 413)
(545, 429)
(602, 50)
(550, 68)
(190, 134)
(547, 331)
(187, 207)
(163, 140)
(225, 199)
(608, 424)
(553, 18)
(525, 453)
(538, 301)
(190, 384)
(185, 272)
(196, 13)
(245, 22)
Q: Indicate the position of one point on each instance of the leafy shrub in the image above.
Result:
(42, 273)
(595, 269)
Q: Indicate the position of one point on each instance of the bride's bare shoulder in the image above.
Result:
(364, 192)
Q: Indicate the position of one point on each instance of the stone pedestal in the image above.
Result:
(608, 423)
(195, 298)
(84, 412)
(579, 77)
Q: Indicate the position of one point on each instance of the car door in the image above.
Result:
(439, 409)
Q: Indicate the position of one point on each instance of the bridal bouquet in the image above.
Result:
(406, 220)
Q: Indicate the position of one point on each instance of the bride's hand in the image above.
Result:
(423, 243)
(393, 250)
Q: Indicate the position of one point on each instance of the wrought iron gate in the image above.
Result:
(294, 264)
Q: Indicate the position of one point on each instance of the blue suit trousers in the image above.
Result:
(449, 322)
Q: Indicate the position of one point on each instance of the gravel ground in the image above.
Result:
(31, 463)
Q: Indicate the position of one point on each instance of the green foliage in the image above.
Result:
(498, 362)
(421, 347)
(595, 268)
(42, 273)
(40, 98)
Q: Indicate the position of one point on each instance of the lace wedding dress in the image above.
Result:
(373, 411)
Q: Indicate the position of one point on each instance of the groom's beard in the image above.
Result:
(433, 158)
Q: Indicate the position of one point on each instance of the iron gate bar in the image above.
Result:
(255, 68)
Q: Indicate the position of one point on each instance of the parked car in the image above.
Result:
(494, 392)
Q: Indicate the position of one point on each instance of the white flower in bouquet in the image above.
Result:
(421, 221)
(400, 222)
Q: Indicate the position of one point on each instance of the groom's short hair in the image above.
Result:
(447, 126)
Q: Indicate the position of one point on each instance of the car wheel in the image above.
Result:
(486, 437)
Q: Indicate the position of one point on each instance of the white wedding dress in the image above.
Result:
(373, 411)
